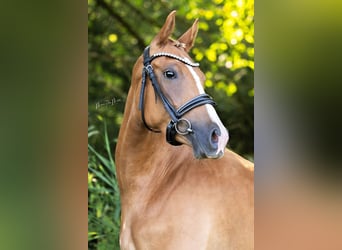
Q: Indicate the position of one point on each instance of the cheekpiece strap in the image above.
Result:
(176, 115)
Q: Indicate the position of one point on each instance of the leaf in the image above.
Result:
(101, 176)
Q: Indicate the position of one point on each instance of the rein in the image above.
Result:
(177, 124)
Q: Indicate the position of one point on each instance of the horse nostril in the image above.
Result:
(214, 136)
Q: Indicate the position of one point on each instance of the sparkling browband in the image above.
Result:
(184, 60)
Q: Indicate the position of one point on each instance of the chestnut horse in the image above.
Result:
(180, 187)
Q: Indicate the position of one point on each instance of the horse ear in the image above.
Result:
(162, 37)
(188, 38)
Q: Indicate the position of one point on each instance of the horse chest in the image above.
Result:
(172, 226)
(184, 220)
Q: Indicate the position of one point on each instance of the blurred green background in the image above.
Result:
(118, 31)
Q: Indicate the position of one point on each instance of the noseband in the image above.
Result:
(177, 124)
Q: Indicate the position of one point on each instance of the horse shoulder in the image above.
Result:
(234, 213)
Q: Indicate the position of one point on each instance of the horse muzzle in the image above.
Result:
(208, 141)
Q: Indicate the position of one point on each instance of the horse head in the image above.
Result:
(171, 95)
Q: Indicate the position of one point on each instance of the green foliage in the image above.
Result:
(103, 197)
(118, 31)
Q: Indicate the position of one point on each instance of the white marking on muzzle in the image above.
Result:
(223, 138)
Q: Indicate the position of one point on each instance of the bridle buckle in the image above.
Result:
(148, 68)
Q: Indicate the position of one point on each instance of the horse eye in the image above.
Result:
(170, 74)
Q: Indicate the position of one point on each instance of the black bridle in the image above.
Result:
(177, 124)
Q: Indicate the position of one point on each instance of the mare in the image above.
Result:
(181, 188)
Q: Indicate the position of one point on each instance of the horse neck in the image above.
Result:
(143, 158)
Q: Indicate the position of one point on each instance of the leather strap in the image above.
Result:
(175, 115)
